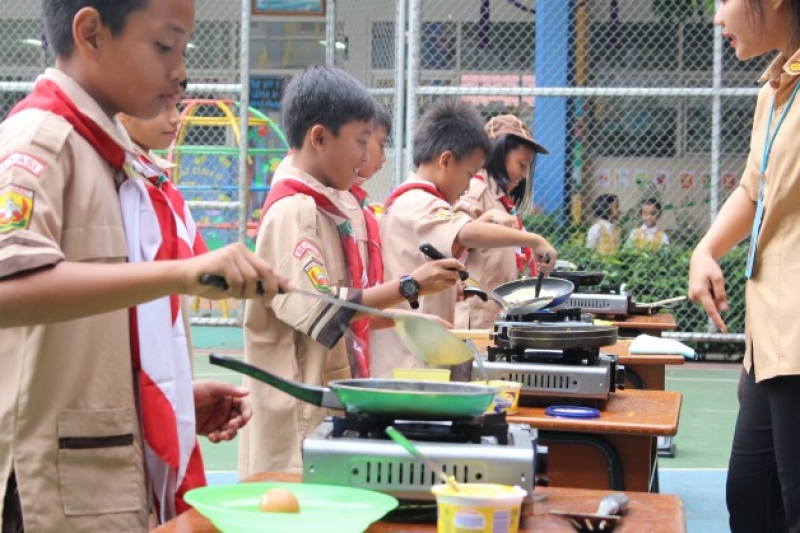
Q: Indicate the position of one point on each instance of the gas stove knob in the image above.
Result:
(620, 379)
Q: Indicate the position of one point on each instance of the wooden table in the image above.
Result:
(637, 324)
(654, 513)
(616, 450)
(643, 371)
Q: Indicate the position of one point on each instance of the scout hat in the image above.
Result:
(511, 125)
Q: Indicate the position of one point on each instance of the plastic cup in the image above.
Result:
(478, 508)
(507, 399)
(422, 374)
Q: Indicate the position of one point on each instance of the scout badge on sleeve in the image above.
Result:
(16, 206)
(304, 247)
(28, 162)
(318, 276)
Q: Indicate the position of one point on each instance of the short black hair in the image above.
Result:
(324, 95)
(496, 164)
(58, 15)
(651, 201)
(383, 118)
(449, 124)
(601, 207)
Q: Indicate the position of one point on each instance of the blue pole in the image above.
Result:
(553, 63)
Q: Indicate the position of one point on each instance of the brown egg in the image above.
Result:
(279, 501)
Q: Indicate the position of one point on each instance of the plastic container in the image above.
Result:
(507, 400)
(478, 508)
(422, 374)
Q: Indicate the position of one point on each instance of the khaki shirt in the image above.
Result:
(297, 338)
(773, 293)
(415, 217)
(491, 266)
(67, 400)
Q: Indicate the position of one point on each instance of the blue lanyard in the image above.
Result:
(768, 142)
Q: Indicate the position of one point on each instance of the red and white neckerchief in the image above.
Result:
(524, 254)
(159, 226)
(360, 277)
(159, 354)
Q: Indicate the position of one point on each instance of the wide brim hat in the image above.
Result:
(511, 125)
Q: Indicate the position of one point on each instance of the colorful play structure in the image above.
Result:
(207, 150)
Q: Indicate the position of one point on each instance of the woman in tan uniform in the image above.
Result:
(763, 488)
(504, 185)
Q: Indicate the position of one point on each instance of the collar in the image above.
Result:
(287, 170)
(781, 70)
(90, 108)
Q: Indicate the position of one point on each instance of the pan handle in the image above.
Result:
(320, 396)
(427, 249)
(475, 291)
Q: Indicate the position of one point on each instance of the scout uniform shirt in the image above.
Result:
(297, 338)
(491, 266)
(67, 402)
(773, 292)
(416, 216)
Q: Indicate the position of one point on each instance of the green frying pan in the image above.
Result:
(397, 398)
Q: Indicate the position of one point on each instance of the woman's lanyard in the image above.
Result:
(768, 141)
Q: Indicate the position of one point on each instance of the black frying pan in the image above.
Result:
(581, 278)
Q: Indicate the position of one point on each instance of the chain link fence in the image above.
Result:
(638, 99)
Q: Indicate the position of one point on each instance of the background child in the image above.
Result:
(505, 185)
(328, 119)
(648, 236)
(450, 146)
(69, 408)
(603, 236)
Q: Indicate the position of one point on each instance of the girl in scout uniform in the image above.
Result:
(648, 236)
(72, 457)
(306, 232)
(505, 186)
(763, 487)
(603, 236)
(450, 146)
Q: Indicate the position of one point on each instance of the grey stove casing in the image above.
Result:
(384, 466)
(555, 380)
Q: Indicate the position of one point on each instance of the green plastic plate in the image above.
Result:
(328, 508)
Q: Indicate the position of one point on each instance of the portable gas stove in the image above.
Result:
(607, 300)
(354, 450)
(556, 356)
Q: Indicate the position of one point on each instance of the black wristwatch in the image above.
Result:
(409, 288)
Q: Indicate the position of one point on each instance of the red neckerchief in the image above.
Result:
(375, 273)
(359, 277)
(524, 254)
(48, 96)
(410, 186)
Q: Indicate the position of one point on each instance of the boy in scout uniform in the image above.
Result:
(71, 450)
(449, 148)
(306, 233)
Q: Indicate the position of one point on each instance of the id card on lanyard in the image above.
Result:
(759, 218)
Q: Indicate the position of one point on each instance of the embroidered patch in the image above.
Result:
(443, 214)
(318, 276)
(16, 206)
(28, 162)
(303, 247)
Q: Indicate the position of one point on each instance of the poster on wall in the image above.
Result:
(265, 92)
(729, 181)
(687, 180)
(661, 178)
(289, 7)
(640, 178)
(602, 178)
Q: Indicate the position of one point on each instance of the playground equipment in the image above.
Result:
(207, 150)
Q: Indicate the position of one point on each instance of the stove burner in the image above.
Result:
(566, 314)
(491, 426)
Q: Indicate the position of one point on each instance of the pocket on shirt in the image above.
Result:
(333, 375)
(97, 462)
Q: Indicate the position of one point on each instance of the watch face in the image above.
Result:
(409, 288)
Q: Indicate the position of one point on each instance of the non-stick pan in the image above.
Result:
(561, 290)
(581, 278)
(398, 398)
